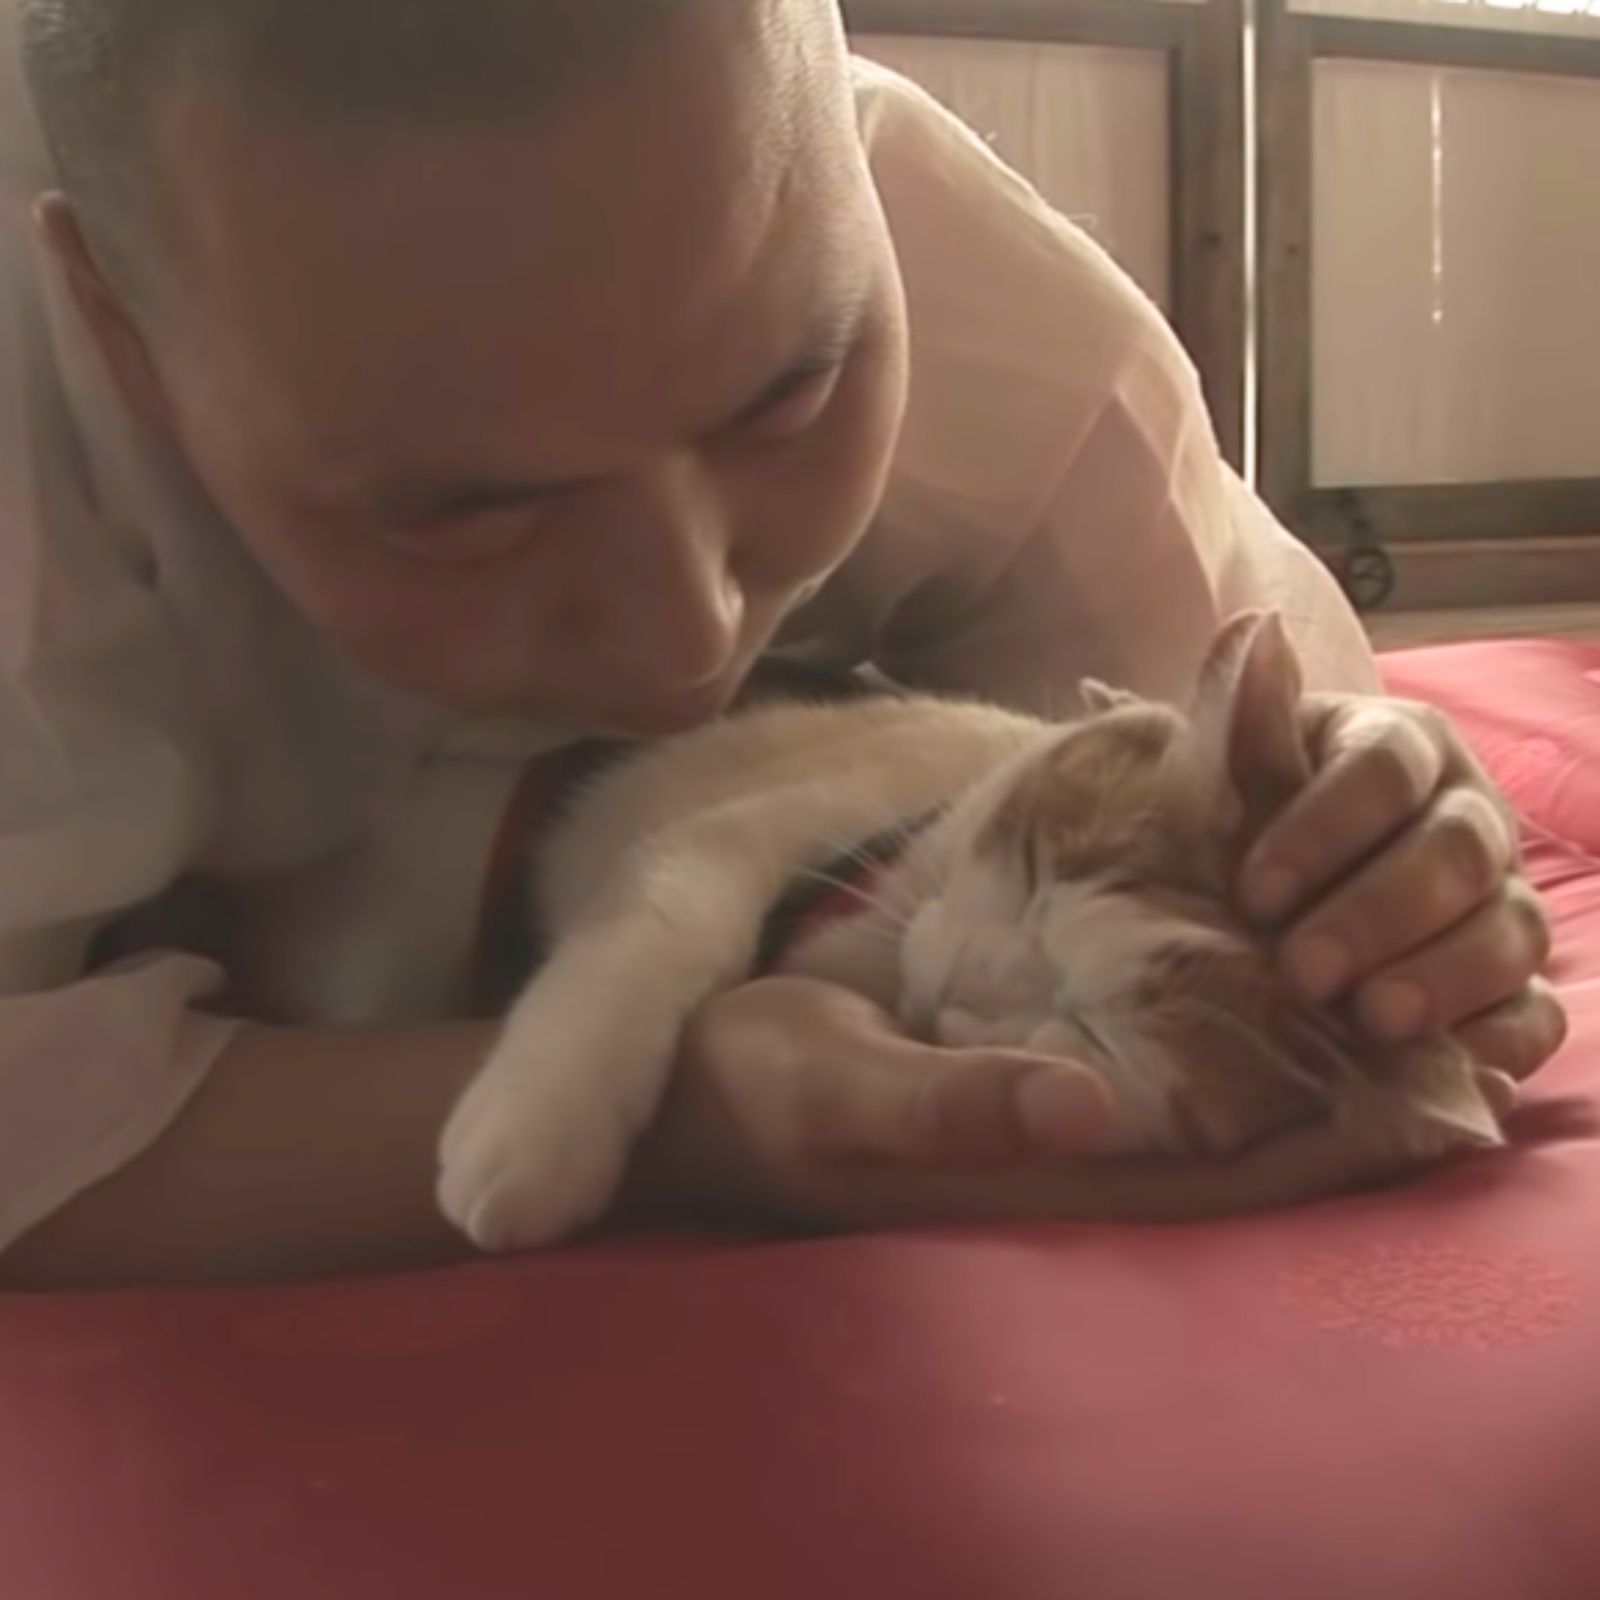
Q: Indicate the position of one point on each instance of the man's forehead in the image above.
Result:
(559, 373)
(708, 106)
(447, 257)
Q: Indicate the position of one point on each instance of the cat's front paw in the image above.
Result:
(528, 1160)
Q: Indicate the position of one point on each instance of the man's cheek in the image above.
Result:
(331, 580)
(843, 481)
(866, 431)
(392, 613)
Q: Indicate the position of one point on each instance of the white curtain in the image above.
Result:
(1456, 275)
(1089, 127)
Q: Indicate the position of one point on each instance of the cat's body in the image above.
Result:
(1060, 889)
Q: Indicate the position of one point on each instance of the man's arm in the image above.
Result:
(307, 1153)
(312, 1153)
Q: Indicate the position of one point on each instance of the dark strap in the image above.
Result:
(509, 948)
(845, 887)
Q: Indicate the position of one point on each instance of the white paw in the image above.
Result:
(531, 1157)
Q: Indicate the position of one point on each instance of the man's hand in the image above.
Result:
(801, 1102)
(1396, 875)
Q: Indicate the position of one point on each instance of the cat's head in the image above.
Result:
(1087, 911)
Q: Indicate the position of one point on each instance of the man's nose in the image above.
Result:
(675, 605)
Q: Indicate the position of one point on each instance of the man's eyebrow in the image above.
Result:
(826, 349)
(428, 498)
(423, 501)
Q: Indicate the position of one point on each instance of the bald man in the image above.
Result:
(395, 393)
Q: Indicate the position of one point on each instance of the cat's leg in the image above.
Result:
(539, 1144)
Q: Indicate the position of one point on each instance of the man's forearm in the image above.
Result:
(308, 1153)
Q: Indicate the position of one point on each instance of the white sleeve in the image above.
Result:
(1148, 545)
(1060, 506)
(104, 802)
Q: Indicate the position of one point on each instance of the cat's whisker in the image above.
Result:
(916, 882)
(918, 867)
(913, 879)
(870, 901)
(852, 855)
(1316, 1034)
(854, 850)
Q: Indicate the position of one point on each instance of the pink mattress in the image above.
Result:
(1392, 1396)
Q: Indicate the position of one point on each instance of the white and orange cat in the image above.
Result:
(1062, 888)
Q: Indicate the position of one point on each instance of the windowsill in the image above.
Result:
(1395, 630)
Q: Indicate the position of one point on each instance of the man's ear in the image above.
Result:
(113, 328)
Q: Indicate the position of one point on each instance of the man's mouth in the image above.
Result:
(677, 713)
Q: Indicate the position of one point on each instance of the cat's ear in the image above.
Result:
(1428, 1099)
(1247, 710)
(1098, 698)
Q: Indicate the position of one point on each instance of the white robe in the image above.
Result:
(1058, 508)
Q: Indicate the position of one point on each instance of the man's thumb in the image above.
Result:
(979, 1107)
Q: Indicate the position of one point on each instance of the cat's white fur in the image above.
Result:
(655, 893)
(656, 889)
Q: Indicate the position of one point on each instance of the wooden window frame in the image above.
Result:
(1435, 545)
(1202, 44)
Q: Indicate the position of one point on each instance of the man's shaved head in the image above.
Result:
(99, 68)
(545, 354)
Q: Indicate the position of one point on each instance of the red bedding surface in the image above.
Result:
(1391, 1396)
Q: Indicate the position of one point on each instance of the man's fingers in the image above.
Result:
(1067, 1111)
(1439, 871)
(1483, 962)
(831, 1076)
(1381, 769)
(1517, 1038)
(901, 1102)
(808, 1099)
